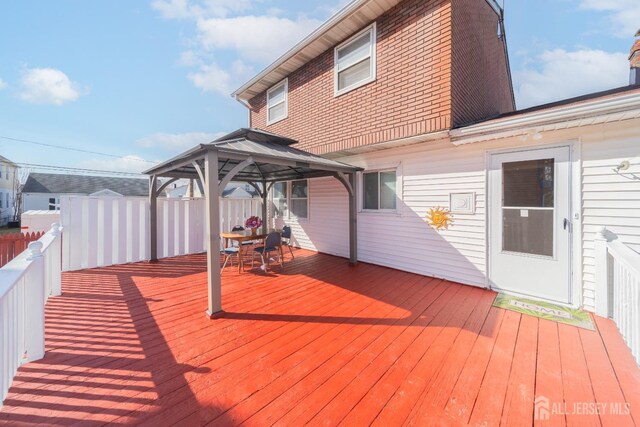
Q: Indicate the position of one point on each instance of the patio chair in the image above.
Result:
(273, 243)
(228, 253)
(247, 242)
(286, 239)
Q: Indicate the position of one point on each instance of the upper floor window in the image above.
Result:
(355, 61)
(277, 102)
(379, 190)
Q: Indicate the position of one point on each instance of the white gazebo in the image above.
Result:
(254, 156)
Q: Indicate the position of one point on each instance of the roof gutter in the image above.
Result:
(242, 101)
(509, 125)
(495, 6)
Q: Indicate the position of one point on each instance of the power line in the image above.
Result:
(70, 169)
(79, 150)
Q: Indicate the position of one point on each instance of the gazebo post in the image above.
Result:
(153, 218)
(353, 221)
(265, 212)
(350, 184)
(211, 192)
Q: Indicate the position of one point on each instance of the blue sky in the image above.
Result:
(145, 80)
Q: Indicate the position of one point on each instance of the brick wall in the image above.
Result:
(429, 78)
(481, 87)
(411, 95)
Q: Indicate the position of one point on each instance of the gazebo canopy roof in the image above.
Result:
(273, 159)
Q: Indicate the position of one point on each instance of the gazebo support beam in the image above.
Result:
(353, 221)
(233, 172)
(212, 203)
(264, 194)
(165, 185)
(350, 184)
(153, 218)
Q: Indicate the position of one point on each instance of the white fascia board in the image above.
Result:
(562, 116)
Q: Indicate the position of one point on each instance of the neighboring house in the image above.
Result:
(42, 191)
(239, 191)
(8, 188)
(234, 190)
(419, 94)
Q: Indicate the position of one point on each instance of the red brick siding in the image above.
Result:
(411, 95)
(481, 87)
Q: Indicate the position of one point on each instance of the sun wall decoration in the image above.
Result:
(439, 218)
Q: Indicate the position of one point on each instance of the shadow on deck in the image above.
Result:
(316, 342)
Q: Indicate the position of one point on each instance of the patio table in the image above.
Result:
(241, 236)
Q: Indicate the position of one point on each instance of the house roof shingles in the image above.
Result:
(4, 160)
(84, 184)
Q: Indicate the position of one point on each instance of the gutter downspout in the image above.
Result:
(503, 37)
(248, 107)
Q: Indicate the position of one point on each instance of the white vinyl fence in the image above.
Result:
(102, 231)
(26, 283)
(618, 287)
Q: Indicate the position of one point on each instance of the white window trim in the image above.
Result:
(374, 65)
(284, 83)
(288, 198)
(397, 170)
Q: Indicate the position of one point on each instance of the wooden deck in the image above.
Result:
(320, 343)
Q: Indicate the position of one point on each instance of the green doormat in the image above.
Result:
(545, 310)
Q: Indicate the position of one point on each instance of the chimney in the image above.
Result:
(634, 61)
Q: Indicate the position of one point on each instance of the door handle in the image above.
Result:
(566, 223)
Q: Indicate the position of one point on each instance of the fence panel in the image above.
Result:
(107, 231)
(11, 245)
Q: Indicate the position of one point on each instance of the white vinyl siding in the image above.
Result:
(403, 240)
(327, 229)
(278, 102)
(609, 199)
(430, 172)
(355, 61)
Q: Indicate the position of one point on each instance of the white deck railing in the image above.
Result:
(618, 287)
(103, 231)
(25, 285)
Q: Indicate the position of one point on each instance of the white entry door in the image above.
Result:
(529, 223)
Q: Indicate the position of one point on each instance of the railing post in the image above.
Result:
(34, 327)
(602, 276)
(56, 260)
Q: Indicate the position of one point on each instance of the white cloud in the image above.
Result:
(172, 9)
(3, 84)
(190, 58)
(231, 40)
(177, 141)
(624, 15)
(130, 163)
(48, 86)
(559, 74)
(213, 78)
(184, 9)
(255, 38)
